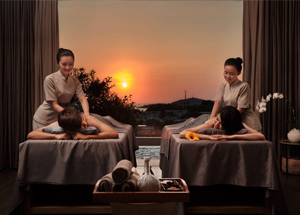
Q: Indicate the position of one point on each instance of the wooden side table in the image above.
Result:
(286, 144)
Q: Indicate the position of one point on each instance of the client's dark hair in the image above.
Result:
(70, 120)
(231, 120)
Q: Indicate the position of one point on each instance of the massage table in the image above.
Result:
(231, 177)
(58, 176)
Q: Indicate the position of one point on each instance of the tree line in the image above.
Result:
(102, 100)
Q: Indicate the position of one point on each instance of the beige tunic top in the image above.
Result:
(56, 89)
(238, 96)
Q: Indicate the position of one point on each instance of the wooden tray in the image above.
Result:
(138, 196)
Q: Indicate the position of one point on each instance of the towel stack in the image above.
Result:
(124, 178)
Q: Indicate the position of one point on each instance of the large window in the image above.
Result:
(157, 51)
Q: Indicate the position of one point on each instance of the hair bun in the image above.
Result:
(63, 52)
(239, 60)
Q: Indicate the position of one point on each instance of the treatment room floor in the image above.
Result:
(291, 186)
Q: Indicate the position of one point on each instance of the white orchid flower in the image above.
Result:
(262, 104)
(257, 106)
(275, 95)
(262, 109)
(280, 96)
(268, 98)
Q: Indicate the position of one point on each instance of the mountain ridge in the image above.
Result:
(188, 101)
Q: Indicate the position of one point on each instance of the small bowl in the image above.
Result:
(171, 185)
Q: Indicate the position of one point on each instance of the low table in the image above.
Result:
(146, 203)
(287, 144)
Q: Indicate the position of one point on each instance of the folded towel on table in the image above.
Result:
(130, 185)
(122, 171)
(105, 184)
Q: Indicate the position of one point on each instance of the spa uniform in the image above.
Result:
(238, 96)
(56, 89)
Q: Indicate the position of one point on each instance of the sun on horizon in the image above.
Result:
(123, 79)
(124, 85)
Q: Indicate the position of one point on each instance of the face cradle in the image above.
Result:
(66, 65)
(218, 122)
(230, 74)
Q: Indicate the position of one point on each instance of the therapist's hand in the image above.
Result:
(86, 116)
(211, 117)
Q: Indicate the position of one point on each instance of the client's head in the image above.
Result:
(70, 120)
(231, 120)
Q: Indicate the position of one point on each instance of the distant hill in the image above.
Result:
(191, 104)
(187, 102)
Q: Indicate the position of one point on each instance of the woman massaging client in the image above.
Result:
(236, 93)
(60, 87)
(72, 121)
(230, 121)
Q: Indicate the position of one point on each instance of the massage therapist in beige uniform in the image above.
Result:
(59, 89)
(236, 93)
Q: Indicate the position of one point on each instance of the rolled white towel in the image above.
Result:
(105, 184)
(130, 184)
(122, 171)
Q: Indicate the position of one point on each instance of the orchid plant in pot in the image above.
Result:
(294, 134)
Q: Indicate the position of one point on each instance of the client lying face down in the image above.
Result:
(72, 121)
(228, 119)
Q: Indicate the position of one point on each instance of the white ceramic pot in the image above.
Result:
(294, 135)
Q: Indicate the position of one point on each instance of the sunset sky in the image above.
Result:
(160, 49)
